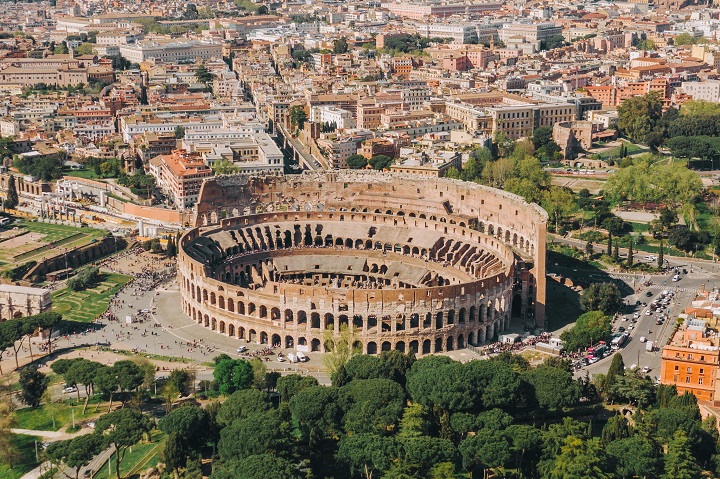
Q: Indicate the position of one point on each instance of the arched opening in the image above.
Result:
(241, 333)
(516, 306)
(252, 336)
(439, 320)
(231, 329)
(275, 340)
(438, 345)
(400, 346)
(251, 309)
(289, 317)
(426, 347)
(461, 316)
(302, 341)
(450, 344)
(372, 348)
(231, 305)
(289, 342)
(302, 317)
(263, 338)
(213, 299)
(315, 345)
(222, 327)
(213, 324)
(315, 320)
(386, 346)
(451, 317)
(329, 321)
(461, 342)
(264, 311)
(414, 346)
(357, 322)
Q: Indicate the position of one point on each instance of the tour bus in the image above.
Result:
(618, 342)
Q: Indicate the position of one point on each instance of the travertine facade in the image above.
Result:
(20, 301)
(405, 262)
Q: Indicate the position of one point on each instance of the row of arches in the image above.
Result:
(436, 344)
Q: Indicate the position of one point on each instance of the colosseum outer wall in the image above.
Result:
(509, 226)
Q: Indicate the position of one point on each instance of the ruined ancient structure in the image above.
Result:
(402, 262)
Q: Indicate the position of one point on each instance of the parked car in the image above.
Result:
(69, 389)
(241, 349)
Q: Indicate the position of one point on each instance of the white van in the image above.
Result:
(301, 357)
(292, 358)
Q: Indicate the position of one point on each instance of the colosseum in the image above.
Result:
(399, 261)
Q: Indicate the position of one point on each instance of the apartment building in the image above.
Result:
(342, 119)
(530, 32)
(180, 176)
(427, 163)
(707, 90)
(419, 10)
(690, 361)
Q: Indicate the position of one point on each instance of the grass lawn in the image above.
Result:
(54, 232)
(26, 462)
(632, 149)
(87, 174)
(143, 456)
(40, 418)
(84, 306)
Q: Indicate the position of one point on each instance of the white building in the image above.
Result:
(343, 119)
(172, 52)
(707, 90)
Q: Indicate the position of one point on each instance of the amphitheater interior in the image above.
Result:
(385, 261)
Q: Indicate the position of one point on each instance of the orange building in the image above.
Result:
(691, 360)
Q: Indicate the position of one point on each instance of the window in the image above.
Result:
(700, 380)
(689, 369)
(687, 380)
(702, 371)
(677, 368)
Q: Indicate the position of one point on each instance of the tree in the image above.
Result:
(189, 424)
(298, 117)
(616, 252)
(580, 459)
(356, 162)
(202, 75)
(631, 258)
(171, 251)
(485, 450)
(617, 368)
(107, 382)
(317, 413)
(184, 381)
(605, 297)
(179, 132)
(554, 388)
(256, 434)
(609, 245)
(191, 12)
(225, 167)
(589, 328)
(33, 384)
(340, 45)
(559, 203)
(380, 162)
(9, 453)
(679, 461)
(85, 49)
(288, 386)
(12, 195)
(129, 376)
(232, 375)
(371, 405)
(635, 456)
(589, 248)
(75, 453)
(242, 404)
(259, 466)
(122, 429)
(661, 255)
(637, 116)
(365, 454)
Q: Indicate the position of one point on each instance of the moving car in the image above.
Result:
(69, 389)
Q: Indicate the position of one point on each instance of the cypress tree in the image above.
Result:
(12, 199)
(609, 249)
(630, 254)
(661, 256)
(616, 252)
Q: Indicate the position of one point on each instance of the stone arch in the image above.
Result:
(315, 345)
(222, 327)
(263, 313)
(263, 337)
(386, 346)
(301, 317)
(426, 347)
(461, 316)
(329, 321)
(439, 320)
(289, 316)
(450, 344)
(241, 307)
(372, 347)
(460, 341)
(231, 305)
(275, 340)
(315, 320)
(438, 345)
(414, 346)
(207, 321)
(231, 329)
(221, 302)
(289, 342)
(241, 333)
(213, 324)
(471, 338)
(400, 346)
(251, 309)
